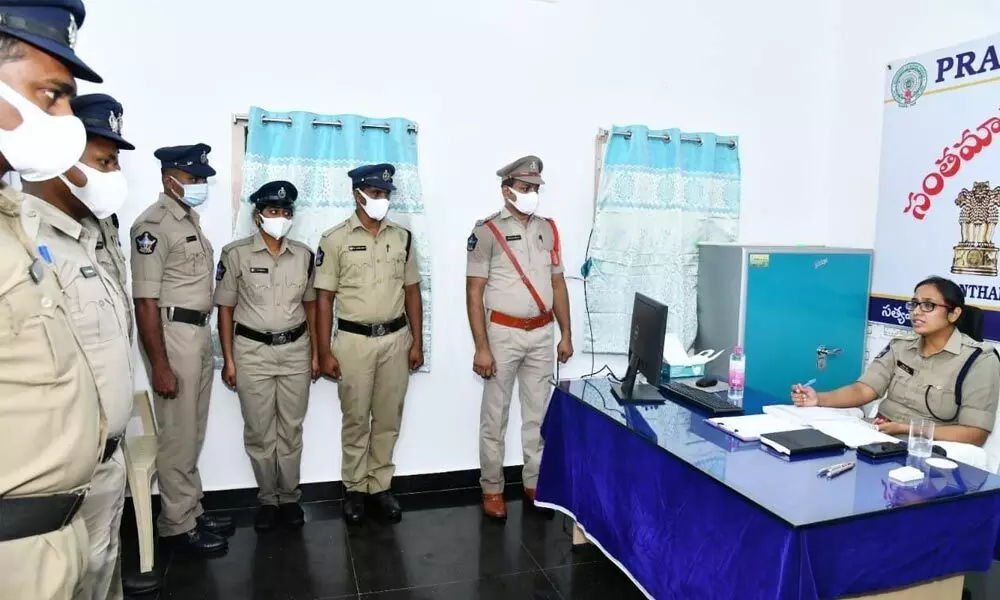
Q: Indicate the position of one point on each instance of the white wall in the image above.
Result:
(486, 81)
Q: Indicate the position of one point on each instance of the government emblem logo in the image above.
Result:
(979, 212)
(908, 84)
(386, 176)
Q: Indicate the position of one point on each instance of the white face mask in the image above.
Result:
(276, 227)
(104, 193)
(526, 203)
(376, 208)
(195, 194)
(42, 146)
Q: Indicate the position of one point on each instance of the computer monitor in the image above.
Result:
(645, 353)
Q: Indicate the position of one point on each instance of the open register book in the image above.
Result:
(844, 424)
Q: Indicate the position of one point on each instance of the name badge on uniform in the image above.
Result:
(192, 238)
(905, 367)
(513, 238)
(357, 248)
(88, 271)
(259, 270)
(100, 244)
(37, 271)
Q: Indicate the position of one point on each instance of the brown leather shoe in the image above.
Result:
(494, 506)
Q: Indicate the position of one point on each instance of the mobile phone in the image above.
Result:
(880, 450)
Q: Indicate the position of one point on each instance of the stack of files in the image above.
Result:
(842, 424)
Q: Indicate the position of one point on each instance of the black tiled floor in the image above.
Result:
(443, 550)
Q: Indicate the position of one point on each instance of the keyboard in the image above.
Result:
(700, 399)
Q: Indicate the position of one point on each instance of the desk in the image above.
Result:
(689, 512)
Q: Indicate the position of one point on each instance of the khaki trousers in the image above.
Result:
(45, 567)
(181, 425)
(102, 514)
(375, 372)
(528, 357)
(273, 386)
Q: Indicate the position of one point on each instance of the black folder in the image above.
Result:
(801, 441)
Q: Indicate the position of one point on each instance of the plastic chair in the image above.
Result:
(140, 466)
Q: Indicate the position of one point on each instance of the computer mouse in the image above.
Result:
(707, 381)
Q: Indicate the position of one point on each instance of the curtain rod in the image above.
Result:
(604, 133)
(316, 123)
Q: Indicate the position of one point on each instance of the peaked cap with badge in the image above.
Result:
(191, 159)
(102, 116)
(527, 169)
(376, 176)
(281, 194)
(52, 27)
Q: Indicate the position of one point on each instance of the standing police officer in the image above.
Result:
(515, 277)
(369, 264)
(265, 286)
(51, 426)
(99, 307)
(172, 285)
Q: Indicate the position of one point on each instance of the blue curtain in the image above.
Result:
(316, 156)
(661, 193)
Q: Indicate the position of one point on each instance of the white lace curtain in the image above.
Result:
(661, 193)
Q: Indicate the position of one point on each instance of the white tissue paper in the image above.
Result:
(675, 355)
(906, 475)
(680, 363)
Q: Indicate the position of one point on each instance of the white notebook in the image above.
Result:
(749, 428)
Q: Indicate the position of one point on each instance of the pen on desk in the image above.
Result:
(839, 470)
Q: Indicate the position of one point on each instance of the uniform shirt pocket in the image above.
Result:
(355, 268)
(397, 260)
(940, 400)
(294, 288)
(197, 262)
(91, 310)
(259, 285)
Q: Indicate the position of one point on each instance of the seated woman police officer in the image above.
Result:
(921, 373)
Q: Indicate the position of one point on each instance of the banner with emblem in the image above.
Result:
(939, 188)
(315, 153)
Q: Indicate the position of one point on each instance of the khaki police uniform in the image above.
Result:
(908, 377)
(172, 261)
(522, 351)
(111, 257)
(272, 379)
(98, 309)
(368, 275)
(51, 424)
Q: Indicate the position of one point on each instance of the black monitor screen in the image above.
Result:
(649, 327)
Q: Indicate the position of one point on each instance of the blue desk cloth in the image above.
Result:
(688, 514)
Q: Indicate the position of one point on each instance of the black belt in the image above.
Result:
(110, 447)
(27, 517)
(271, 339)
(186, 315)
(376, 330)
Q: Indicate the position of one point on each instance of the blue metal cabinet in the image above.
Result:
(799, 312)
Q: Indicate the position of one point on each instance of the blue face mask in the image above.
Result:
(195, 194)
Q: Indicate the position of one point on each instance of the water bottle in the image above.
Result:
(737, 375)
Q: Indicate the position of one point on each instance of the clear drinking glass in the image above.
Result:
(921, 438)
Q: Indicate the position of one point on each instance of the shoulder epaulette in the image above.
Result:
(237, 243)
(482, 222)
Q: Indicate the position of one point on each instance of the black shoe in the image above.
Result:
(216, 524)
(138, 584)
(388, 507)
(354, 507)
(291, 515)
(196, 541)
(266, 518)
